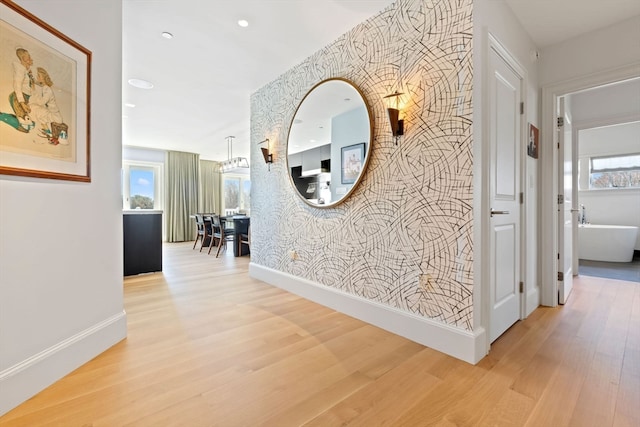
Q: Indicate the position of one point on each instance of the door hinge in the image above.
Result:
(521, 108)
(521, 198)
(560, 276)
(558, 145)
(521, 287)
(560, 122)
(558, 255)
(560, 199)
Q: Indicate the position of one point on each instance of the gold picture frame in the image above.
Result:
(45, 88)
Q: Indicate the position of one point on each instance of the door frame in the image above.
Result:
(565, 138)
(549, 172)
(494, 43)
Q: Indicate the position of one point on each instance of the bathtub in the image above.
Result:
(614, 243)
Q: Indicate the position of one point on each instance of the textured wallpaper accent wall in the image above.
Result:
(404, 238)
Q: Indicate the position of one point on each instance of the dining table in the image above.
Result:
(237, 225)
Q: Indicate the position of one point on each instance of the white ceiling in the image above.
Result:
(204, 76)
(551, 21)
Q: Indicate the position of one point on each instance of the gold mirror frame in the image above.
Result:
(315, 100)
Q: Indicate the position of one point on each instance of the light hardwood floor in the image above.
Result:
(209, 346)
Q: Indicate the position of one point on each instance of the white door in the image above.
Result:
(505, 142)
(566, 208)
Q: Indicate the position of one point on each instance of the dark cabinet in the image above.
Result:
(142, 234)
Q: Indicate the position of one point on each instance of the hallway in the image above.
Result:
(210, 346)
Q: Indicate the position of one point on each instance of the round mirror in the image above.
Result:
(329, 143)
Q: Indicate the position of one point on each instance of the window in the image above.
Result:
(231, 194)
(246, 195)
(236, 194)
(141, 186)
(621, 171)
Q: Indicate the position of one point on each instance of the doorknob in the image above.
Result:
(499, 212)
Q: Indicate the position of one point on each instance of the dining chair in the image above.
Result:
(219, 232)
(200, 231)
(208, 232)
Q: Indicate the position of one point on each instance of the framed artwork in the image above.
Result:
(352, 159)
(533, 141)
(45, 81)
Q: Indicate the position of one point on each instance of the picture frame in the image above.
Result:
(45, 98)
(533, 141)
(351, 162)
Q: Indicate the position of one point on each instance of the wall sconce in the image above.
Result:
(397, 124)
(268, 156)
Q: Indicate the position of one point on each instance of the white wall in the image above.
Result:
(591, 53)
(615, 103)
(139, 154)
(495, 18)
(61, 264)
(614, 206)
(622, 138)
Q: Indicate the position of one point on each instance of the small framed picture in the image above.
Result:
(352, 159)
(45, 81)
(532, 141)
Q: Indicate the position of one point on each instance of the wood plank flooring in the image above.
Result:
(209, 346)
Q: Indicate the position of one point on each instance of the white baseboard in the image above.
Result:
(533, 300)
(467, 346)
(27, 378)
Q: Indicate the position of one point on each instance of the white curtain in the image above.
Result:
(182, 179)
(210, 194)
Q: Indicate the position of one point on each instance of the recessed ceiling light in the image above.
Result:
(167, 35)
(243, 23)
(142, 84)
(130, 105)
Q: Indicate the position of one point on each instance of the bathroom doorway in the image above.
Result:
(613, 109)
(606, 173)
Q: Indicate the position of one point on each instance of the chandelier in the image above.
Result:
(234, 164)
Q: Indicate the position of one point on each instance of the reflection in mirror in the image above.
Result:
(329, 143)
